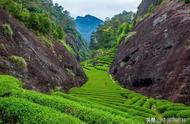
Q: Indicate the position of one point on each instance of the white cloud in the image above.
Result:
(98, 8)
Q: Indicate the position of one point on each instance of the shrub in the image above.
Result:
(58, 33)
(148, 104)
(187, 1)
(7, 29)
(17, 110)
(123, 30)
(8, 84)
(2, 46)
(159, 2)
(151, 8)
(169, 114)
(86, 114)
(19, 61)
(184, 114)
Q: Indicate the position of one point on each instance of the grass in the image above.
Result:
(100, 101)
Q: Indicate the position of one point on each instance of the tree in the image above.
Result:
(58, 33)
(45, 25)
(33, 21)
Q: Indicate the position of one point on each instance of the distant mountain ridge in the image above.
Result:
(87, 25)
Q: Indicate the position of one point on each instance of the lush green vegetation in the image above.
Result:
(100, 100)
(113, 31)
(106, 39)
(101, 59)
(35, 19)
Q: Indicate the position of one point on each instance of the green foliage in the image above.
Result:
(101, 59)
(19, 61)
(123, 30)
(7, 29)
(38, 21)
(183, 114)
(159, 2)
(58, 33)
(106, 39)
(112, 32)
(187, 1)
(2, 46)
(8, 84)
(151, 8)
(17, 110)
(67, 47)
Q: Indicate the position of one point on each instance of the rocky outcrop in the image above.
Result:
(144, 6)
(156, 60)
(40, 67)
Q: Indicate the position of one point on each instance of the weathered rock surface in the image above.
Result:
(156, 61)
(144, 6)
(47, 68)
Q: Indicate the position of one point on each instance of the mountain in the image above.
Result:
(87, 25)
(154, 59)
(33, 46)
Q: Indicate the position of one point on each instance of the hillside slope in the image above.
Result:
(155, 61)
(62, 18)
(99, 101)
(42, 68)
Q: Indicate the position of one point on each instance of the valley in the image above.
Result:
(132, 68)
(100, 100)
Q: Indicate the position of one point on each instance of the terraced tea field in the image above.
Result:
(100, 101)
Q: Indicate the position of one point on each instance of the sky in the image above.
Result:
(98, 8)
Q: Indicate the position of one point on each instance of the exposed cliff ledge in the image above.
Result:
(42, 68)
(156, 61)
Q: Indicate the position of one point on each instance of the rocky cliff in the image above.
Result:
(144, 6)
(155, 60)
(23, 55)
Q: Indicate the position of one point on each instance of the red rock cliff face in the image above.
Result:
(47, 68)
(156, 61)
(144, 6)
